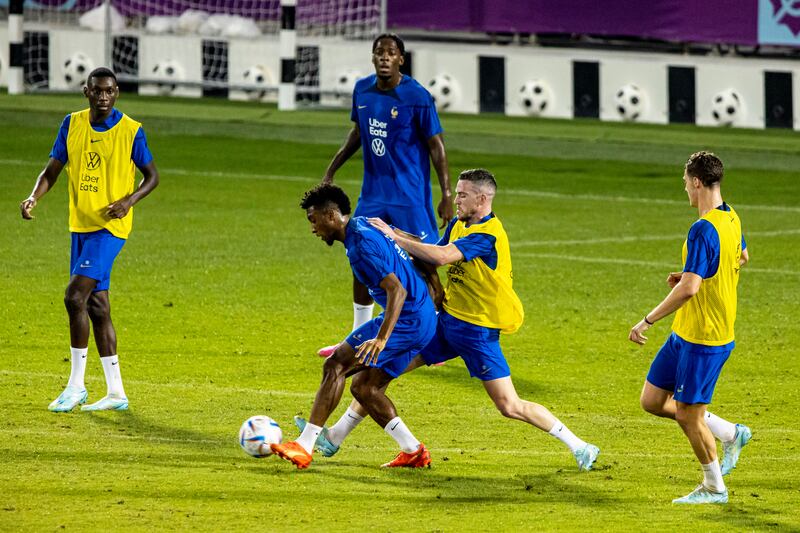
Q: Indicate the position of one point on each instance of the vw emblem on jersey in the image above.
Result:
(92, 161)
(378, 148)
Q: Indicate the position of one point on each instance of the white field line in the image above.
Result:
(640, 238)
(519, 192)
(190, 386)
(636, 262)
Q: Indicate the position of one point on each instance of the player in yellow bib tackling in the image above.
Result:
(479, 304)
(684, 373)
(101, 148)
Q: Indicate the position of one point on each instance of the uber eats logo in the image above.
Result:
(89, 182)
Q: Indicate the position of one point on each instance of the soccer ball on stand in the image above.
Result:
(76, 68)
(629, 102)
(257, 78)
(535, 97)
(726, 107)
(168, 70)
(257, 433)
(445, 91)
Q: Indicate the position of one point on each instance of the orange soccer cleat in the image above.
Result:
(418, 459)
(291, 451)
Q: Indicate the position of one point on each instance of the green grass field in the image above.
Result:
(222, 295)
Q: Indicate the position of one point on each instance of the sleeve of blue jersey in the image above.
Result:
(59, 150)
(744, 244)
(446, 235)
(475, 245)
(140, 154)
(370, 263)
(702, 249)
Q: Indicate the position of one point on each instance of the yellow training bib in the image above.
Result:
(478, 294)
(100, 172)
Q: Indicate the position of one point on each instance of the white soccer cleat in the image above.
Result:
(702, 495)
(108, 403)
(68, 400)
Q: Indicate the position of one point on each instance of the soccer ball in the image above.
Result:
(168, 70)
(726, 107)
(445, 91)
(345, 83)
(258, 77)
(629, 102)
(535, 97)
(257, 433)
(76, 68)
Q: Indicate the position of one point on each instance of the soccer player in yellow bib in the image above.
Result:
(683, 374)
(101, 148)
(479, 303)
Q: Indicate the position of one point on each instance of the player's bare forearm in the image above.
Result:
(351, 145)
(681, 293)
(44, 182)
(439, 158)
(395, 297)
(120, 208)
(431, 277)
(745, 258)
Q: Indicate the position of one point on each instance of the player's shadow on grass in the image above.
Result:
(131, 425)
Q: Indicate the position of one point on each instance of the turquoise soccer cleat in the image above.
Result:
(586, 456)
(703, 495)
(323, 445)
(733, 448)
(68, 400)
(108, 403)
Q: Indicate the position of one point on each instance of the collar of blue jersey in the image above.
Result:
(483, 220)
(112, 120)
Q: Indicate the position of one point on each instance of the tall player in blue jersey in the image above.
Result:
(397, 128)
(703, 297)
(382, 348)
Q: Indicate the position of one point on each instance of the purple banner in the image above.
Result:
(709, 21)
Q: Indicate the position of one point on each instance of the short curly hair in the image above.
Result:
(706, 167)
(326, 196)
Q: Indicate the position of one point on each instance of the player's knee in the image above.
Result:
(684, 418)
(360, 391)
(74, 302)
(647, 403)
(508, 408)
(333, 368)
(98, 309)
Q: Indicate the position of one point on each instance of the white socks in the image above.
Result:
(562, 433)
(400, 433)
(309, 436)
(113, 377)
(78, 362)
(342, 428)
(721, 429)
(712, 477)
(361, 314)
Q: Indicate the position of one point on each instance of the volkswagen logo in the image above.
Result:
(378, 148)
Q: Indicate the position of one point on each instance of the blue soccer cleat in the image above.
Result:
(703, 495)
(733, 448)
(586, 456)
(108, 403)
(68, 400)
(323, 445)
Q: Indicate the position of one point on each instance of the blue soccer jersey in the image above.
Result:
(395, 126)
(473, 245)
(373, 256)
(140, 153)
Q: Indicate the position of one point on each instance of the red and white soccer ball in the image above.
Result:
(257, 433)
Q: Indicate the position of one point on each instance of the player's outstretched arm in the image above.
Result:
(681, 293)
(150, 181)
(350, 147)
(430, 253)
(396, 294)
(439, 158)
(47, 178)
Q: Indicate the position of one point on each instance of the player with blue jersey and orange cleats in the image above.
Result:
(101, 148)
(396, 125)
(683, 374)
(380, 350)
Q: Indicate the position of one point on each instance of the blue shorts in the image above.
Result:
(478, 346)
(93, 256)
(418, 220)
(689, 370)
(410, 335)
